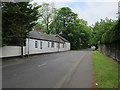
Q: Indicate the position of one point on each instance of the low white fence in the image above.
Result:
(11, 51)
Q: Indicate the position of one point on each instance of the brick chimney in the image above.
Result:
(38, 28)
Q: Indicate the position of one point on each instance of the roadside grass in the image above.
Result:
(106, 71)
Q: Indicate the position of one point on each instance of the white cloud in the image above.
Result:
(76, 0)
(94, 11)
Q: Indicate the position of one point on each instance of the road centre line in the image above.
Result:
(42, 65)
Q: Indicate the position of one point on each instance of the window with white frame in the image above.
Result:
(57, 45)
(63, 45)
(36, 44)
(40, 44)
(48, 44)
(52, 44)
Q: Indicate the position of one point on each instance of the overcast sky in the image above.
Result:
(89, 10)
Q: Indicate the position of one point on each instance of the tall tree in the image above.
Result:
(113, 34)
(67, 24)
(99, 29)
(47, 13)
(63, 17)
(18, 18)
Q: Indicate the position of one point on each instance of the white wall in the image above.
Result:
(45, 48)
(67, 46)
(9, 51)
(61, 47)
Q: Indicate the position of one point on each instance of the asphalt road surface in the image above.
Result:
(72, 69)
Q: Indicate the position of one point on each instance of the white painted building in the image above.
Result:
(37, 43)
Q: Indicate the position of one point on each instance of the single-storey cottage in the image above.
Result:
(39, 42)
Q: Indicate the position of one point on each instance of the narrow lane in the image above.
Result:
(46, 71)
(81, 77)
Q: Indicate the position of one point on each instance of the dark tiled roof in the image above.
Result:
(61, 38)
(40, 35)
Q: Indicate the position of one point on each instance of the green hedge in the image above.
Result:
(112, 35)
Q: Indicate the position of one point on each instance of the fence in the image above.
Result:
(112, 50)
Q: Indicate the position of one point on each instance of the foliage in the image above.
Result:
(103, 32)
(63, 17)
(46, 11)
(17, 18)
(67, 24)
(112, 34)
(20, 17)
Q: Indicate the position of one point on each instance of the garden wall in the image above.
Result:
(11, 51)
(112, 50)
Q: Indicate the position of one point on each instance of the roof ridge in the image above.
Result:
(41, 35)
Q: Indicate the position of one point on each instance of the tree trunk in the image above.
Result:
(47, 26)
(48, 29)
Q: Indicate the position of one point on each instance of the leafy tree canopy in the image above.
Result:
(104, 32)
(17, 19)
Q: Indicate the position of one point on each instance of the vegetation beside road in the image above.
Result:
(22, 17)
(106, 71)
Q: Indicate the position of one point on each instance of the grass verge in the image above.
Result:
(106, 71)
